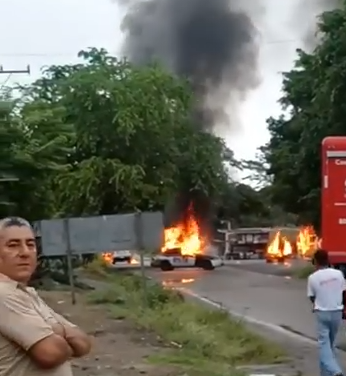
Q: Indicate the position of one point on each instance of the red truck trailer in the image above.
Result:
(333, 205)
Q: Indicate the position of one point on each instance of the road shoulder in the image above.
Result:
(302, 351)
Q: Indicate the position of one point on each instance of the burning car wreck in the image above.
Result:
(175, 259)
(185, 246)
(279, 250)
(291, 242)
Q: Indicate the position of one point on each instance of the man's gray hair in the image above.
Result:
(14, 221)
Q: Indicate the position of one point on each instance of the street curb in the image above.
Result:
(249, 319)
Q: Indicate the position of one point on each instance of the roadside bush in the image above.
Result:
(304, 271)
(98, 267)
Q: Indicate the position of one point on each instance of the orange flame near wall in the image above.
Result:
(185, 236)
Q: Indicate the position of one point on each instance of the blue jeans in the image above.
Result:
(328, 323)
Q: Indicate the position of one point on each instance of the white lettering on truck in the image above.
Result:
(340, 162)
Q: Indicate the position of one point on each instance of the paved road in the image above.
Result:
(260, 266)
(277, 300)
(266, 293)
(253, 288)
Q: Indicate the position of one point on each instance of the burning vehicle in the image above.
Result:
(307, 242)
(185, 246)
(119, 256)
(175, 259)
(292, 242)
(247, 243)
(279, 249)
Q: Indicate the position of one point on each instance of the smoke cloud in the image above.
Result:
(306, 19)
(212, 43)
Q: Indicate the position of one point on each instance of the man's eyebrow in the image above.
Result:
(19, 240)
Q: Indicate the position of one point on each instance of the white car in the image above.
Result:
(122, 256)
(168, 262)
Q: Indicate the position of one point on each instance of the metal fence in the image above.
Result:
(71, 237)
(135, 231)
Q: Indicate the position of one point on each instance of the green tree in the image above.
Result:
(315, 107)
(33, 150)
(133, 142)
(104, 136)
(8, 137)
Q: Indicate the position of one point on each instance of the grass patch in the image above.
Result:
(97, 268)
(203, 340)
(304, 271)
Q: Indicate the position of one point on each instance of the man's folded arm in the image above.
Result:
(79, 341)
(21, 324)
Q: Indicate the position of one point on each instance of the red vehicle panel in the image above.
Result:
(334, 198)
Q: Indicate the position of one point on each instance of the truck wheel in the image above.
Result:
(166, 266)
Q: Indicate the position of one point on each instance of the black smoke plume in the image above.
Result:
(214, 44)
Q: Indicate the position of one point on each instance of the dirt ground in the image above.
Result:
(119, 347)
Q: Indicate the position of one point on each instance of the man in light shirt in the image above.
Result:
(34, 340)
(325, 290)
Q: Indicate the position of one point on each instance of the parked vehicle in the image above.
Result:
(173, 259)
(121, 256)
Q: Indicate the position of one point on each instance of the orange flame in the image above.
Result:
(185, 236)
(307, 242)
(279, 247)
(108, 258)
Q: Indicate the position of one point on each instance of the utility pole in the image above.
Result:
(14, 71)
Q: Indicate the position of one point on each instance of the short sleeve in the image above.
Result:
(20, 322)
(310, 288)
(61, 320)
(51, 315)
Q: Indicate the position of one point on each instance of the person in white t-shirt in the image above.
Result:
(325, 290)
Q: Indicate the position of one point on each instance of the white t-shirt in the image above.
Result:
(327, 286)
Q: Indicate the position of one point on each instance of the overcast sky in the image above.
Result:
(41, 32)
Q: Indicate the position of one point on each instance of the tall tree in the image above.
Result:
(33, 150)
(8, 136)
(104, 136)
(314, 106)
(134, 142)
